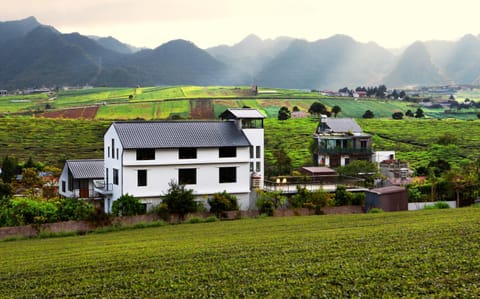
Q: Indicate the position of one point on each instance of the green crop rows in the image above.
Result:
(425, 254)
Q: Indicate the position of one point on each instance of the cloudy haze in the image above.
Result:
(149, 23)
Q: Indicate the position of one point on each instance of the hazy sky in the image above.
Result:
(149, 23)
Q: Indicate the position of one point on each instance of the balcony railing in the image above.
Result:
(339, 150)
(103, 188)
(327, 183)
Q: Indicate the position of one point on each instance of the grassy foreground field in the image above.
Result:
(405, 254)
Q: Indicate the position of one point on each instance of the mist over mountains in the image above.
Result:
(33, 55)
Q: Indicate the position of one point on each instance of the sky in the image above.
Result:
(207, 23)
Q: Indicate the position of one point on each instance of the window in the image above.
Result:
(115, 176)
(251, 152)
(113, 148)
(145, 154)
(363, 144)
(106, 175)
(252, 123)
(187, 153)
(141, 177)
(187, 176)
(70, 181)
(227, 152)
(258, 149)
(251, 166)
(117, 153)
(228, 174)
(64, 186)
(108, 152)
(258, 167)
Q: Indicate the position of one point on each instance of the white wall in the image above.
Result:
(413, 206)
(256, 138)
(110, 164)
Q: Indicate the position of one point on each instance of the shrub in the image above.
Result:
(437, 205)
(180, 200)
(74, 209)
(193, 220)
(127, 205)
(161, 210)
(268, 201)
(29, 211)
(211, 219)
(222, 202)
(375, 210)
(342, 196)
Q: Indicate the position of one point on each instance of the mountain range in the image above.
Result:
(33, 55)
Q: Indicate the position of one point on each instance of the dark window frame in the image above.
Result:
(115, 176)
(227, 152)
(141, 177)
(187, 176)
(227, 175)
(145, 154)
(187, 153)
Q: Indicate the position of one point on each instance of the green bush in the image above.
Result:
(267, 202)
(74, 209)
(193, 220)
(29, 211)
(161, 210)
(180, 200)
(211, 219)
(437, 205)
(222, 202)
(127, 205)
(375, 211)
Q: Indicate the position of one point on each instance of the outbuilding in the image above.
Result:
(391, 198)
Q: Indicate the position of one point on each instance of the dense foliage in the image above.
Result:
(422, 254)
(127, 205)
(179, 200)
(221, 202)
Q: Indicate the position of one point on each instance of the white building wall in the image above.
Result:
(64, 178)
(256, 138)
(113, 160)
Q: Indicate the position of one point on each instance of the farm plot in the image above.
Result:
(92, 96)
(127, 111)
(73, 113)
(407, 254)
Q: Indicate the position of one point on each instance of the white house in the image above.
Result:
(79, 176)
(142, 158)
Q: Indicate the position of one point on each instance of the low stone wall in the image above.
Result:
(343, 210)
(85, 226)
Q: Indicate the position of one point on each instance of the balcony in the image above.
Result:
(102, 188)
(328, 183)
(345, 151)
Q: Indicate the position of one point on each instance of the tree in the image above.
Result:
(360, 168)
(342, 196)
(284, 162)
(382, 89)
(402, 94)
(409, 113)
(295, 109)
(397, 115)
(317, 108)
(127, 205)
(336, 109)
(368, 114)
(419, 113)
(283, 113)
(447, 138)
(9, 169)
(180, 200)
(31, 180)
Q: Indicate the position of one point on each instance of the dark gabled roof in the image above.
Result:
(86, 169)
(178, 134)
(343, 125)
(243, 113)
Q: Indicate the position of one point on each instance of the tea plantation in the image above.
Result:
(427, 254)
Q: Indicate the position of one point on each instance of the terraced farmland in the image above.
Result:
(426, 254)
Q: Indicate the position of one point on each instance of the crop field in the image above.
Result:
(51, 141)
(92, 96)
(426, 254)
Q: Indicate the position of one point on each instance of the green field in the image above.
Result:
(426, 254)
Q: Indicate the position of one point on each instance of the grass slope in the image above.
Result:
(406, 254)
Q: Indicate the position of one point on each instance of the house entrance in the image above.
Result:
(84, 192)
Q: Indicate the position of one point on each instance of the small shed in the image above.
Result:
(391, 198)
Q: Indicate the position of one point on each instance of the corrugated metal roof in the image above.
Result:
(387, 190)
(245, 113)
(86, 169)
(343, 125)
(178, 134)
